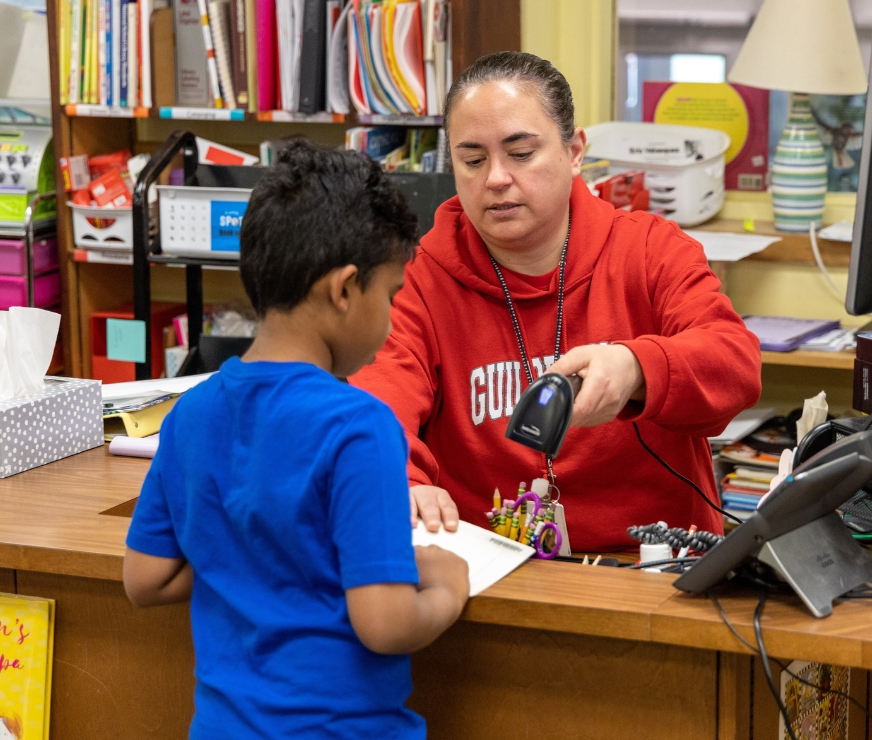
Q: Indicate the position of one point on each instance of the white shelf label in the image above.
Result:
(203, 114)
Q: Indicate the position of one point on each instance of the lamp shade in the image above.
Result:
(805, 46)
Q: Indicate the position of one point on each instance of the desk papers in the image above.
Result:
(728, 247)
(490, 556)
(140, 388)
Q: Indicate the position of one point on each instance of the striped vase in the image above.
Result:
(799, 171)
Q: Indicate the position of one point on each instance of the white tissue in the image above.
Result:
(27, 341)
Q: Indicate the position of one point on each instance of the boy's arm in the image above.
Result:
(394, 618)
(153, 581)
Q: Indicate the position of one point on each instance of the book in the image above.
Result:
(238, 52)
(267, 40)
(74, 80)
(251, 53)
(740, 111)
(312, 56)
(145, 9)
(741, 453)
(27, 648)
(133, 55)
(219, 22)
(163, 58)
(192, 85)
(211, 65)
(115, 53)
(785, 333)
(124, 57)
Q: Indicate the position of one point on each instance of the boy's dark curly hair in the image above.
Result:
(318, 209)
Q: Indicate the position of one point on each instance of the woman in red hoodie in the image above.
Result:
(524, 272)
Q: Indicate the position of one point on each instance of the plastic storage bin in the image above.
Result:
(102, 228)
(46, 290)
(13, 260)
(683, 165)
(201, 221)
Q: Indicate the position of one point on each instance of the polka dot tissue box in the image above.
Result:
(64, 418)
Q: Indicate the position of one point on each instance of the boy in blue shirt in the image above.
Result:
(278, 500)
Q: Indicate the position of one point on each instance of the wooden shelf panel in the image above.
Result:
(811, 358)
(792, 247)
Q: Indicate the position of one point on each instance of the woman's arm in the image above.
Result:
(153, 581)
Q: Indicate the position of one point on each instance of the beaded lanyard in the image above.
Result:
(549, 459)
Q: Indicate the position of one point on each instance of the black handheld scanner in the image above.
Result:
(541, 418)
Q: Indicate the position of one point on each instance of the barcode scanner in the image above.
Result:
(541, 418)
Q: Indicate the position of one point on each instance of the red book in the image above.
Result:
(267, 54)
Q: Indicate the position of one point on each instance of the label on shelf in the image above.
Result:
(104, 111)
(286, 116)
(203, 114)
(404, 120)
(106, 258)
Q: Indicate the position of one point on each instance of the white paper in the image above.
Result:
(142, 388)
(490, 556)
(27, 342)
(745, 423)
(728, 247)
(134, 446)
(841, 231)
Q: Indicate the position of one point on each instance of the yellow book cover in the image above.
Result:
(26, 645)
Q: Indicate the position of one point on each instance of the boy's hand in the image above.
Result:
(434, 506)
(440, 568)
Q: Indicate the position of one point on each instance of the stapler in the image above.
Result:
(541, 418)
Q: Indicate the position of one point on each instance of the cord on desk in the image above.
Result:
(781, 665)
(683, 478)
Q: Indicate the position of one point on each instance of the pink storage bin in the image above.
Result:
(46, 290)
(13, 260)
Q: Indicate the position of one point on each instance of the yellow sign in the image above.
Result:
(26, 642)
(707, 105)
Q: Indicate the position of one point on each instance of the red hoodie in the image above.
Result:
(451, 370)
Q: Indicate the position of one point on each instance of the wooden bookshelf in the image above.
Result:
(478, 27)
(811, 358)
(794, 248)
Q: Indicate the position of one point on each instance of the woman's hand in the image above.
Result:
(612, 376)
(434, 506)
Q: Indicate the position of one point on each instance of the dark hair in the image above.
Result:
(542, 76)
(318, 209)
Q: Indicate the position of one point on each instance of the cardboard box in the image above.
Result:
(65, 418)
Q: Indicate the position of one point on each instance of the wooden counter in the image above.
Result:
(553, 635)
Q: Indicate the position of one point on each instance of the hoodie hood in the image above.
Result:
(455, 245)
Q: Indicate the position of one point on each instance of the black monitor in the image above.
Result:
(821, 564)
(859, 297)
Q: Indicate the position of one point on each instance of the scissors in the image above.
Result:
(538, 540)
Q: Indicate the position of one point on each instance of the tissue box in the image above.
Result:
(64, 418)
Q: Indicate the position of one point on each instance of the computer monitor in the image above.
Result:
(859, 297)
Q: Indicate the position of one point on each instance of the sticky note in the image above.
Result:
(125, 340)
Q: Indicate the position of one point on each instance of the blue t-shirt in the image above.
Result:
(282, 487)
